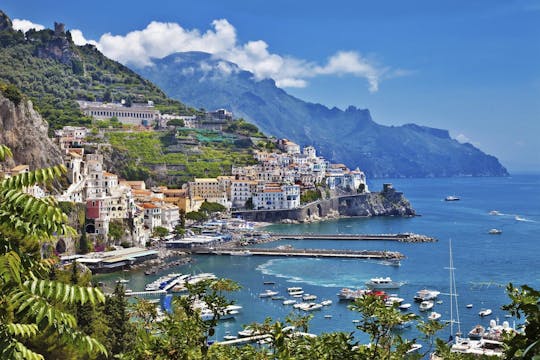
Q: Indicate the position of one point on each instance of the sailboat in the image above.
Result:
(459, 344)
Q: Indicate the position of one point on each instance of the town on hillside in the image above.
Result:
(119, 211)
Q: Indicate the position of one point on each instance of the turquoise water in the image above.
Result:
(484, 263)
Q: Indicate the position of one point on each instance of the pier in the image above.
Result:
(317, 253)
(155, 293)
(405, 237)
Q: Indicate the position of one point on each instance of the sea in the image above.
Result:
(484, 264)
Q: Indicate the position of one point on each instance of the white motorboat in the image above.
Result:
(425, 294)
(268, 293)
(426, 305)
(309, 297)
(297, 292)
(326, 302)
(294, 289)
(404, 306)
(434, 316)
(494, 212)
(383, 283)
(230, 337)
(495, 232)
(289, 302)
(328, 316)
(451, 198)
(469, 306)
(414, 348)
(485, 312)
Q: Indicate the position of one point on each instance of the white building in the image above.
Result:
(152, 216)
(242, 191)
(136, 114)
(170, 216)
(276, 197)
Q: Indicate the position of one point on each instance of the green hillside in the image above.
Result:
(54, 72)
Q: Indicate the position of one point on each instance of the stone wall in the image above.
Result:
(388, 202)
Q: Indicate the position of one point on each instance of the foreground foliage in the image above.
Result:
(33, 307)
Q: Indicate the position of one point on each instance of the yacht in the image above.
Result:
(425, 294)
(426, 305)
(485, 312)
(434, 316)
(309, 297)
(289, 302)
(451, 198)
(326, 302)
(393, 300)
(495, 232)
(383, 283)
(294, 289)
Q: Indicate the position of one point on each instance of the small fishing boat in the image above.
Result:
(434, 316)
(289, 302)
(477, 332)
(485, 312)
(326, 302)
(309, 297)
(268, 294)
(495, 232)
(451, 198)
(269, 283)
(469, 306)
(328, 316)
(404, 306)
(230, 337)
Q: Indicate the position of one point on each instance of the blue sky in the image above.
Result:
(472, 67)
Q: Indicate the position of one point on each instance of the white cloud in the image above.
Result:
(25, 25)
(79, 39)
(462, 138)
(160, 39)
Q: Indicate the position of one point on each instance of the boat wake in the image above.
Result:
(519, 218)
(285, 268)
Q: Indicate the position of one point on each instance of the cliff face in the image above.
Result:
(25, 132)
(388, 202)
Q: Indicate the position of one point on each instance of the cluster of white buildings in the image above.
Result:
(107, 198)
(277, 181)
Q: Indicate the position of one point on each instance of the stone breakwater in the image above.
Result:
(388, 202)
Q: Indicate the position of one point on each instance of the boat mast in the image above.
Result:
(453, 296)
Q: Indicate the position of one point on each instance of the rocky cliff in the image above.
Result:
(388, 202)
(25, 132)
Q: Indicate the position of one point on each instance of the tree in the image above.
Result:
(160, 232)
(116, 231)
(196, 216)
(211, 207)
(378, 322)
(31, 305)
(525, 303)
(176, 122)
(119, 333)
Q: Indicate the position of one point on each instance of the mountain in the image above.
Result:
(350, 136)
(54, 72)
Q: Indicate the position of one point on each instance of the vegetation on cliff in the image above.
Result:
(54, 72)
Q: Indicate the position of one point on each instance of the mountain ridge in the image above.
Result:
(350, 136)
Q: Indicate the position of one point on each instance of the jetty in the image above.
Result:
(316, 253)
(403, 237)
(154, 293)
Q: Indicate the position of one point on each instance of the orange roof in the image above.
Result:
(272, 190)
(149, 206)
(108, 173)
(141, 192)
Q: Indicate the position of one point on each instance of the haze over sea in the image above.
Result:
(484, 263)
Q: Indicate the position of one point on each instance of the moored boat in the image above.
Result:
(485, 312)
(326, 302)
(289, 302)
(451, 198)
(383, 283)
(404, 306)
(477, 332)
(349, 294)
(495, 232)
(426, 305)
(434, 316)
(268, 294)
(425, 294)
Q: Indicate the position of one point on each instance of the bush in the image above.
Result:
(11, 92)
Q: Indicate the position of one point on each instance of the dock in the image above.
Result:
(404, 237)
(316, 253)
